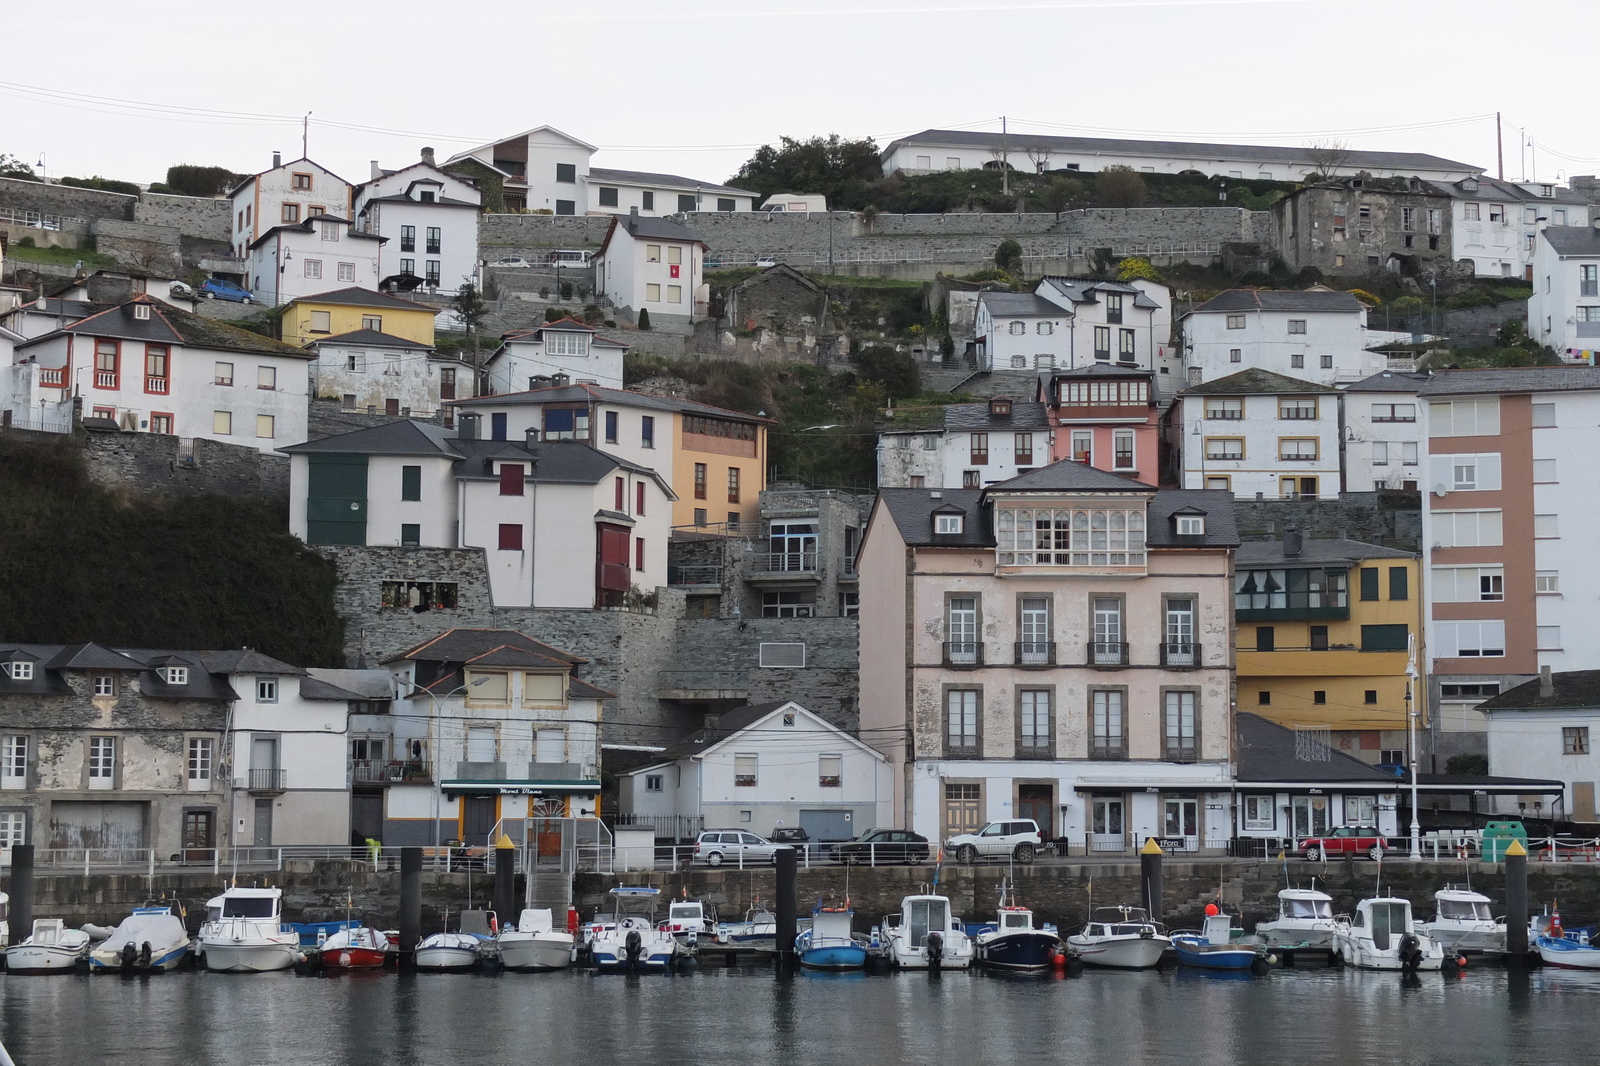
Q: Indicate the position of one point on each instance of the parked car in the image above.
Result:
(790, 834)
(1347, 840)
(512, 262)
(878, 847)
(766, 261)
(1018, 839)
(717, 846)
(179, 290)
(222, 289)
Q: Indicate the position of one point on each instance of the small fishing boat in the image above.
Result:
(448, 953)
(314, 934)
(359, 947)
(535, 944)
(1120, 937)
(1214, 946)
(50, 948)
(248, 934)
(1305, 920)
(150, 940)
(690, 921)
(831, 943)
(1571, 952)
(1463, 922)
(758, 930)
(1013, 943)
(1383, 936)
(926, 936)
(631, 941)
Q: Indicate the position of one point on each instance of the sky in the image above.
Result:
(693, 87)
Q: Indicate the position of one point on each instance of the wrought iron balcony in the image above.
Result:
(1180, 655)
(963, 653)
(1034, 653)
(1108, 653)
(269, 780)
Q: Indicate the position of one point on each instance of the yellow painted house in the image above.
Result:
(329, 314)
(1322, 634)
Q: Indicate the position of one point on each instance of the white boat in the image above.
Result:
(1383, 936)
(150, 940)
(535, 943)
(247, 934)
(631, 941)
(448, 952)
(1014, 943)
(758, 930)
(1122, 938)
(1305, 920)
(1464, 922)
(51, 948)
(690, 921)
(1570, 952)
(926, 936)
(5, 915)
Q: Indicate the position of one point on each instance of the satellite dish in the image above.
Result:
(1440, 489)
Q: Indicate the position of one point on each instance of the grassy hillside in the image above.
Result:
(79, 562)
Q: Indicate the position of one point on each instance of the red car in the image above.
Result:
(1345, 841)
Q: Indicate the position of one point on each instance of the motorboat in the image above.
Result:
(314, 934)
(150, 940)
(1570, 952)
(690, 921)
(831, 943)
(448, 953)
(535, 943)
(926, 936)
(1013, 943)
(1214, 946)
(631, 941)
(1305, 920)
(50, 948)
(1463, 922)
(758, 930)
(248, 935)
(5, 916)
(357, 947)
(1120, 937)
(1382, 935)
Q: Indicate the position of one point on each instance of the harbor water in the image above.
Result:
(1305, 1016)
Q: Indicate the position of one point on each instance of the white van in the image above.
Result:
(569, 259)
(793, 203)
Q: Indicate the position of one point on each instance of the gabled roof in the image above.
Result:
(1268, 751)
(670, 181)
(1084, 290)
(601, 394)
(729, 724)
(563, 325)
(370, 338)
(1065, 475)
(1020, 304)
(1570, 690)
(1314, 551)
(1513, 379)
(1485, 188)
(1216, 505)
(1024, 415)
(1102, 370)
(365, 684)
(401, 198)
(304, 226)
(1389, 381)
(406, 437)
(647, 227)
(171, 325)
(518, 136)
(359, 297)
(912, 511)
(303, 159)
(463, 645)
(579, 689)
(1279, 300)
(1254, 382)
(91, 657)
(1572, 240)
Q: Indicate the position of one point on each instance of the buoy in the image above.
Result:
(1059, 960)
(1212, 910)
(1272, 960)
(1461, 961)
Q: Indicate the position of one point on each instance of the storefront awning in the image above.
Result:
(519, 788)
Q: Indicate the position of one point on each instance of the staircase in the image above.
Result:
(550, 888)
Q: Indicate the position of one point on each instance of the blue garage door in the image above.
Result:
(828, 825)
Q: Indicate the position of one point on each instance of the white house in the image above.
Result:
(655, 265)
(972, 445)
(1496, 224)
(1545, 728)
(368, 370)
(765, 767)
(1256, 433)
(548, 170)
(1071, 322)
(531, 358)
(512, 741)
(1564, 310)
(936, 150)
(1384, 444)
(151, 367)
(285, 195)
(429, 218)
(1316, 335)
(1293, 785)
(291, 261)
(560, 523)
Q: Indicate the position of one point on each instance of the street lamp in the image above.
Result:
(434, 724)
(1411, 730)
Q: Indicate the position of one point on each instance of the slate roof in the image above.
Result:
(649, 227)
(1027, 415)
(1571, 690)
(1064, 475)
(672, 181)
(315, 688)
(581, 690)
(208, 670)
(1494, 189)
(1268, 751)
(1572, 240)
(564, 325)
(1019, 304)
(405, 437)
(1222, 529)
(1254, 382)
(1083, 290)
(304, 226)
(601, 394)
(1514, 379)
(355, 296)
(728, 723)
(1018, 142)
(365, 684)
(402, 198)
(171, 325)
(1389, 381)
(1279, 300)
(371, 338)
(1314, 552)
(912, 513)
(462, 645)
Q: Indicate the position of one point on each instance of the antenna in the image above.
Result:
(305, 136)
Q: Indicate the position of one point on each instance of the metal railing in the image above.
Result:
(694, 576)
(963, 653)
(666, 826)
(38, 219)
(1180, 655)
(1107, 749)
(389, 771)
(1180, 751)
(847, 567)
(1034, 652)
(1108, 653)
(268, 780)
(797, 562)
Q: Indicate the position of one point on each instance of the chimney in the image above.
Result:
(277, 160)
(712, 721)
(531, 436)
(468, 429)
(1547, 683)
(634, 211)
(427, 156)
(1291, 543)
(377, 171)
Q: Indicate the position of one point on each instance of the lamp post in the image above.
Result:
(434, 728)
(1411, 730)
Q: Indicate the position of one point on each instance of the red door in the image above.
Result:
(611, 567)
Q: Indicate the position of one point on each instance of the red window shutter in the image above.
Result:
(621, 497)
(510, 536)
(638, 553)
(511, 479)
(638, 507)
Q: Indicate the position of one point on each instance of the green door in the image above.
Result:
(336, 499)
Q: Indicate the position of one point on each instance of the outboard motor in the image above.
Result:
(145, 951)
(935, 951)
(633, 947)
(1410, 953)
(130, 955)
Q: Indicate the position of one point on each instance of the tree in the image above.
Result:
(191, 179)
(1120, 186)
(1008, 256)
(1328, 155)
(103, 184)
(1135, 267)
(1467, 763)
(1062, 193)
(842, 170)
(644, 318)
(12, 167)
(896, 372)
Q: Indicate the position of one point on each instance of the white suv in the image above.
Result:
(1019, 839)
(717, 846)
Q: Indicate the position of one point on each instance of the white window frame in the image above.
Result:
(947, 523)
(14, 761)
(201, 763)
(1253, 818)
(102, 762)
(20, 670)
(266, 690)
(177, 675)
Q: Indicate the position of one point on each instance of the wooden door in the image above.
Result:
(199, 835)
(478, 817)
(1037, 801)
(963, 809)
(1583, 801)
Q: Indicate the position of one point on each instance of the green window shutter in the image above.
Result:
(1398, 578)
(411, 482)
(1369, 583)
(1384, 638)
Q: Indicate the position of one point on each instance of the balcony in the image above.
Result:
(784, 566)
(1184, 751)
(389, 772)
(1180, 655)
(555, 771)
(52, 377)
(105, 379)
(1034, 653)
(1586, 329)
(614, 577)
(691, 577)
(468, 770)
(847, 569)
(154, 384)
(269, 782)
(1108, 748)
(1108, 653)
(963, 653)
(702, 685)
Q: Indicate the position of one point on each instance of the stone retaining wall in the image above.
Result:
(155, 463)
(193, 216)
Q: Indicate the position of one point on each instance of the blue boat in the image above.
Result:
(1214, 949)
(312, 934)
(1012, 942)
(830, 943)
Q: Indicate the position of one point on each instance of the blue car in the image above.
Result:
(219, 289)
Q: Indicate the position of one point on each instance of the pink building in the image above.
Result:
(1105, 416)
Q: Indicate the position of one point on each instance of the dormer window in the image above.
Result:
(1191, 525)
(105, 685)
(141, 312)
(176, 675)
(947, 523)
(20, 670)
(999, 407)
(426, 196)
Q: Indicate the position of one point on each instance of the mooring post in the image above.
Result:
(1516, 860)
(21, 913)
(786, 912)
(410, 902)
(1150, 877)
(505, 881)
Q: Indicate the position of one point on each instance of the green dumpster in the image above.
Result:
(1497, 836)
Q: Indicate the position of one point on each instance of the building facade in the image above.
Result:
(1317, 335)
(429, 219)
(1497, 223)
(1072, 322)
(534, 358)
(1105, 416)
(337, 312)
(654, 265)
(288, 262)
(368, 370)
(285, 195)
(1564, 310)
(1256, 433)
(1361, 224)
(966, 445)
(1544, 728)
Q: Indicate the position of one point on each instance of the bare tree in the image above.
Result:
(1329, 155)
(1040, 158)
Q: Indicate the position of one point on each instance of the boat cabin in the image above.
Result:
(1015, 919)
(536, 920)
(920, 915)
(1119, 921)
(831, 923)
(1463, 905)
(634, 906)
(1304, 903)
(1382, 919)
(251, 903)
(687, 914)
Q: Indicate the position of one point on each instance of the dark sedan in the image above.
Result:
(878, 847)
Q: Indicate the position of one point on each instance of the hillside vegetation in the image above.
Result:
(79, 562)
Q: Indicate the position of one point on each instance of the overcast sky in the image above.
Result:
(693, 86)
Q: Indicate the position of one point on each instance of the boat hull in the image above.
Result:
(1213, 957)
(1290, 934)
(1364, 956)
(834, 957)
(353, 958)
(34, 960)
(230, 957)
(536, 955)
(111, 962)
(1577, 956)
(446, 960)
(1032, 950)
(657, 961)
(1121, 953)
(1473, 939)
(955, 956)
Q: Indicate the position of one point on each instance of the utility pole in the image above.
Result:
(1499, 150)
(1005, 165)
(305, 136)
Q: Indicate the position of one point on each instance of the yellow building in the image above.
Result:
(719, 466)
(330, 314)
(1323, 630)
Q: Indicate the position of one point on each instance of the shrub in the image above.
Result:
(1470, 763)
(644, 318)
(1134, 267)
(895, 371)
(1008, 256)
(1121, 187)
(554, 314)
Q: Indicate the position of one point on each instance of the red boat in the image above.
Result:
(361, 948)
